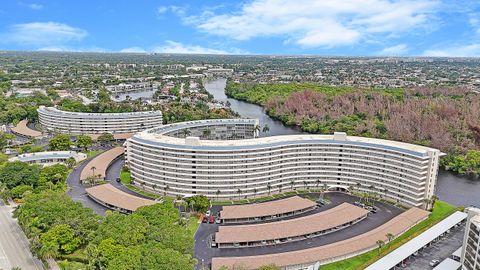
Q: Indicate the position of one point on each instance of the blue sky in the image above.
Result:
(321, 27)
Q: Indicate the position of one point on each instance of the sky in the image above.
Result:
(286, 27)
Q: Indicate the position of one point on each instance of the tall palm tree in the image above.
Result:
(318, 182)
(380, 244)
(292, 183)
(186, 132)
(217, 193)
(206, 133)
(269, 187)
(266, 128)
(255, 192)
(239, 192)
(256, 130)
(390, 237)
(93, 168)
(165, 190)
(305, 184)
(280, 188)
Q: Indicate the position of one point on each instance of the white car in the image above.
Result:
(434, 263)
(207, 213)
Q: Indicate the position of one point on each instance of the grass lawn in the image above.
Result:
(93, 153)
(193, 224)
(125, 178)
(440, 211)
(69, 265)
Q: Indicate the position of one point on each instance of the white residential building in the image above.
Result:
(53, 119)
(224, 160)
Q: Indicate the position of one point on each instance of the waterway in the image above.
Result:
(453, 188)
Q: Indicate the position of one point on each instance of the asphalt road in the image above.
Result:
(14, 245)
(203, 250)
(77, 192)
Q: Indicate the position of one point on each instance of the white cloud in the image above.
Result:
(470, 50)
(162, 9)
(42, 34)
(177, 10)
(35, 6)
(133, 50)
(177, 47)
(318, 22)
(396, 50)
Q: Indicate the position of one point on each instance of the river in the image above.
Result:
(451, 187)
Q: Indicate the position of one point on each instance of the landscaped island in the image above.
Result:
(440, 117)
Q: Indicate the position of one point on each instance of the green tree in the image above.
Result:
(5, 139)
(20, 191)
(56, 173)
(200, 203)
(105, 138)
(84, 141)
(19, 173)
(60, 142)
(60, 239)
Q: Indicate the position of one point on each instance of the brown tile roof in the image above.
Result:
(328, 219)
(22, 129)
(113, 196)
(269, 208)
(328, 253)
(101, 163)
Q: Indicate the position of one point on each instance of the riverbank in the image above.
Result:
(452, 188)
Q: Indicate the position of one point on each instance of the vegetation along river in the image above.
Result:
(453, 188)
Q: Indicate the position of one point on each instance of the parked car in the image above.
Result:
(212, 219)
(434, 263)
(207, 213)
(205, 219)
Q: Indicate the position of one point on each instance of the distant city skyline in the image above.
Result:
(317, 27)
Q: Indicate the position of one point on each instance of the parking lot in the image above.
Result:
(438, 250)
(204, 252)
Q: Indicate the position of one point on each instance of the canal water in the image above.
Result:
(452, 188)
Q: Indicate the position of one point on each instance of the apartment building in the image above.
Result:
(224, 160)
(55, 120)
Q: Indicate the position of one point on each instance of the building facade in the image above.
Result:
(55, 120)
(471, 242)
(224, 160)
(49, 157)
(125, 88)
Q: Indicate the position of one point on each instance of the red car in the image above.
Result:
(205, 219)
(212, 219)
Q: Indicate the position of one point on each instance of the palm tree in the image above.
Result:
(390, 237)
(380, 244)
(186, 132)
(305, 184)
(154, 186)
(165, 190)
(280, 188)
(217, 193)
(269, 187)
(239, 192)
(427, 202)
(292, 183)
(255, 192)
(93, 168)
(143, 185)
(206, 133)
(266, 128)
(318, 182)
(256, 130)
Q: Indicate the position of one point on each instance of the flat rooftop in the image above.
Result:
(324, 220)
(331, 252)
(113, 196)
(22, 129)
(270, 208)
(81, 115)
(407, 249)
(101, 163)
(158, 136)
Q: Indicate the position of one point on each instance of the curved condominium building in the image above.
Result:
(53, 119)
(224, 160)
